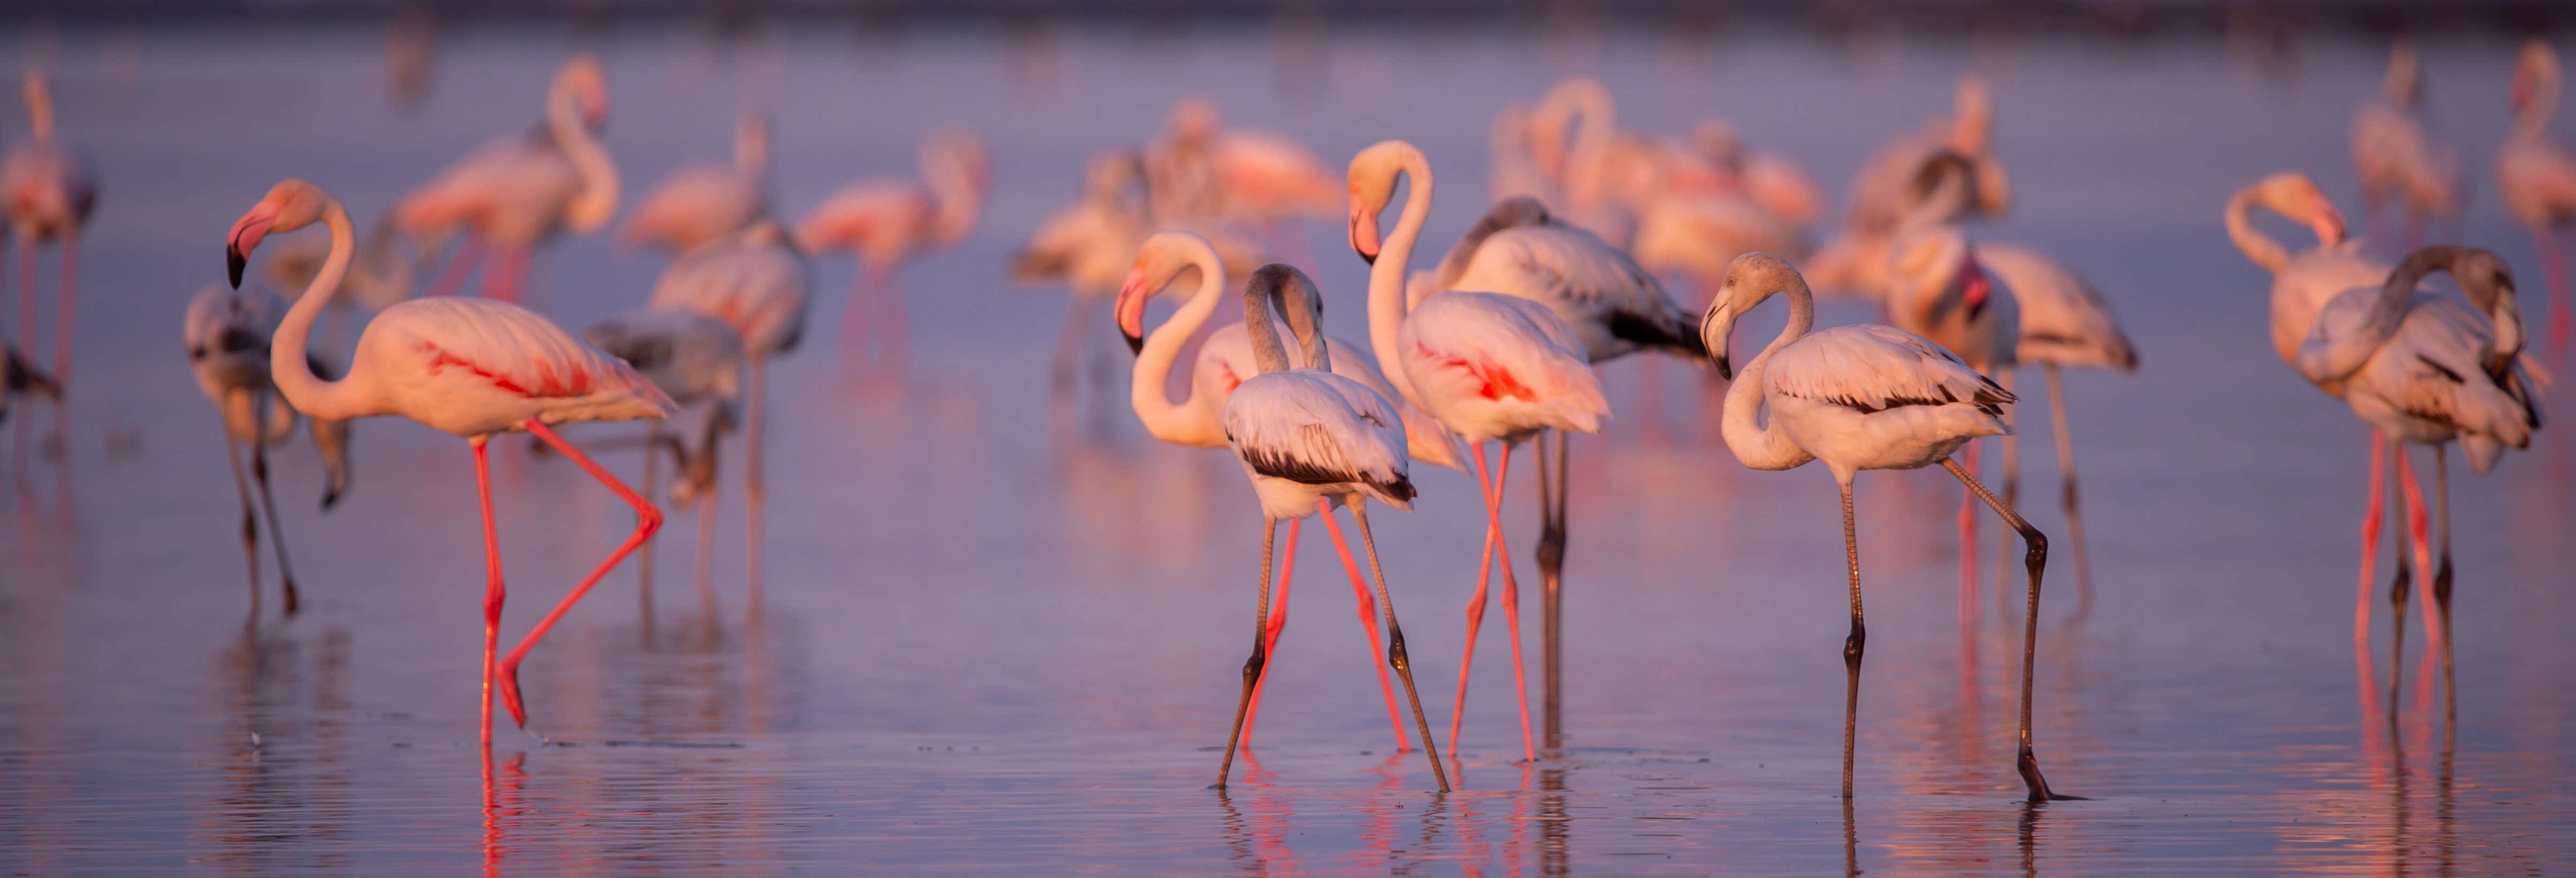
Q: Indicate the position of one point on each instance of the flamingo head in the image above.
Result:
(2536, 67)
(582, 78)
(2298, 197)
(1372, 181)
(289, 205)
(1750, 278)
(1160, 261)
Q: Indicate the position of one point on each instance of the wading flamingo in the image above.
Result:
(1090, 245)
(464, 366)
(2537, 177)
(1204, 170)
(701, 202)
(1937, 289)
(757, 283)
(1863, 397)
(1225, 360)
(697, 361)
(1583, 165)
(2394, 159)
(886, 220)
(50, 192)
(520, 191)
(227, 334)
(1489, 366)
(1309, 439)
(1885, 194)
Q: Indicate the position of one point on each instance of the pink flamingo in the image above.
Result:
(1489, 366)
(51, 192)
(520, 191)
(757, 283)
(1863, 397)
(697, 360)
(1308, 439)
(1202, 168)
(2394, 158)
(2537, 177)
(468, 367)
(1224, 361)
(227, 334)
(1939, 290)
(701, 202)
(886, 220)
(1886, 193)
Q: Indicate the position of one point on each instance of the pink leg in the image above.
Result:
(2370, 521)
(1511, 604)
(63, 336)
(649, 519)
(2415, 536)
(894, 327)
(460, 266)
(1368, 619)
(707, 550)
(26, 323)
(508, 281)
(2553, 266)
(1270, 637)
(492, 590)
(1968, 543)
(1475, 605)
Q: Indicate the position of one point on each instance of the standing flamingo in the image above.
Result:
(1224, 361)
(1885, 193)
(1937, 289)
(227, 333)
(50, 191)
(2537, 177)
(757, 283)
(697, 361)
(701, 202)
(2302, 284)
(1261, 179)
(1309, 439)
(1614, 306)
(517, 192)
(2393, 157)
(1489, 366)
(1585, 164)
(2420, 368)
(1863, 397)
(885, 220)
(468, 367)
(1772, 181)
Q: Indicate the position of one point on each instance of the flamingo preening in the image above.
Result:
(471, 367)
(50, 192)
(886, 220)
(2537, 177)
(227, 334)
(701, 202)
(519, 191)
(1308, 439)
(1863, 397)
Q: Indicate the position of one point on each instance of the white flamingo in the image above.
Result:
(1862, 397)
(471, 367)
(758, 283)
(1201, 168)
(701, 202)
(50, 191)
(698, 361)
(2537, 177)
(1309, 438)
(1489, 366)
(227, 334)
(2394, 158)
(520, 191)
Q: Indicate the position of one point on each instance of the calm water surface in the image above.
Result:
(1000, 630)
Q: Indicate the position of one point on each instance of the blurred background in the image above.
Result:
(996, 627)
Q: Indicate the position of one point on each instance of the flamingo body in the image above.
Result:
(756, 283)
(1493, 366)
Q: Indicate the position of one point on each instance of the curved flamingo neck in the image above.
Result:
(287, 365)
(597, 203)
(40, 109)
(957, 196)
(1755, 444)
(751, 147)
(2533, 119)
(1386, 303)
(1587, 156)
(2262, 249)
(1178, 423)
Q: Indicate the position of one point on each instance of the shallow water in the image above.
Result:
(1000, 631)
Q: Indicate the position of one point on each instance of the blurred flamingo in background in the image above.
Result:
(1489, 366)
(1224, 362)
(1771, 180)
(383, 272)
(51, 192)
(1204, 170)
(468, 367)
(518, 191)
(701, 202)
(1582, 166)
(227, 334)
(1939, 290)
(885, 220)
(756, 282)
(1863, 397)
(2538, 179)
(697, 361)
(2394, 158)
(1886, 194)
(1309, 439)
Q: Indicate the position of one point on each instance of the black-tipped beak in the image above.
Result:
(1370, 258)
(1725, 369)
(1135, 344)
(233, 263)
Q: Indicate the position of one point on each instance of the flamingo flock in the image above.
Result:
(1565, 268)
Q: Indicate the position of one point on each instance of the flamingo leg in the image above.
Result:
(1069, 341)
(2399, 587)
(649, 519)
(1551, 572)
(2442, 513)
(459, 267)
(2036, 559)
(1511, 600)
(1395, 654)
(1260, 654)
(1368, 619)
(2370, 522)
(894, 327)
(754, 490)
(1475, 604)
(1968, 544)
(2554, 266)
(26, 324)
(1278, 621)
(855, 314)
(706, 557)
(493, 591)
(259, 477)
(1854, 643)
(2010, 378)
(2416, 533)
(249, 519)
(508, 281)
(63, 344)
(651, 486)
(2066, 495)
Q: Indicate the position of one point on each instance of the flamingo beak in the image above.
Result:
(1130, 310)
(245, 237)
(1715, 331)
(2329, 224)
(1364, 236)
(1974, 287)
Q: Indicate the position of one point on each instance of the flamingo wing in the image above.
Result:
(2063, 318)
(761, 289)
(1872, 368)
(1315, 428)
(517, 351)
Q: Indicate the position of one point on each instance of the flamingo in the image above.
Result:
(1939, 290)
(51, 192)
(1770, 180)
(701, 202)
(1488, 366)
(468, 367)
(1615, 306)
(1885, 194)
(1090, 245)
(1517, 171)
(2537, 177)
(698, 362)
(1940, 191)
(1224, 361)
(1583, 167)
(759, 284)
(885, 220)
(1863, 397)
(2394, 158)
(517, 192)
(2420, 368)
(227, 334)
(381, 273)
(1308, 439)
(2302, 284)
(1259, 178)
